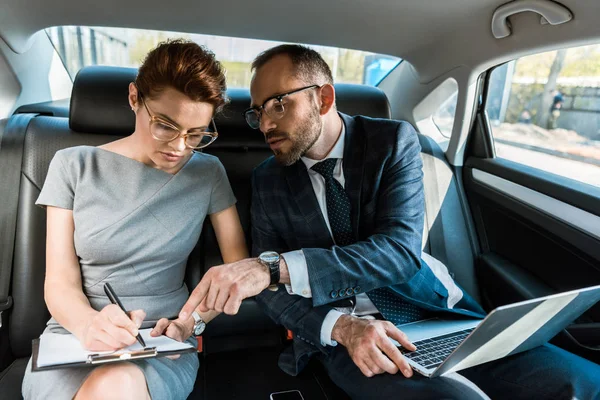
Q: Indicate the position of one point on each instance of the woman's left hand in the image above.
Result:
(176, 329)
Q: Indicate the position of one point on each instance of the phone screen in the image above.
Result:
(289, 395)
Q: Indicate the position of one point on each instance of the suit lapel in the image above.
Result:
(303, 194)
(353, 166)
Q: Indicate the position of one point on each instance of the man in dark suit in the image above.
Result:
(337, 219)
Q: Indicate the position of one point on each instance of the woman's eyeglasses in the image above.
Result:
(165, 131)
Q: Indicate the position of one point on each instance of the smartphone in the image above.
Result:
(287, 395)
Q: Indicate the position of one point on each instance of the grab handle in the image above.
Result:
(552, 13)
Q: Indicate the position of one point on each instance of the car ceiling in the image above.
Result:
(435, 36)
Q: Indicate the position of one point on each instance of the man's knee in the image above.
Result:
(346, 375)
(122, 381)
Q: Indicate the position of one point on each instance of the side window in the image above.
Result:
(444, 116)
(434, 115)
(544, 111)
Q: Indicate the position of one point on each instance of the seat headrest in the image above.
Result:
(99, 101)
(99, 105)
(364, 100)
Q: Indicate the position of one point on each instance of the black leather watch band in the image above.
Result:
(274, 270)
(271, 260)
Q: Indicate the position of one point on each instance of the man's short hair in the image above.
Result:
(309, 65)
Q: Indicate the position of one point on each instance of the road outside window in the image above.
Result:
(544, 111)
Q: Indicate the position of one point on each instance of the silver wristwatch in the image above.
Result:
(199, 324)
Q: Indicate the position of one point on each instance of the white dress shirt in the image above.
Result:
(295, 260)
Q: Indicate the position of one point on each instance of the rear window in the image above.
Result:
(80, 46)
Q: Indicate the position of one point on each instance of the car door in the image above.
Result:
(532, 179)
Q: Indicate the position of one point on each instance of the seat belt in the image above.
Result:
(432, 205)
(12, 141)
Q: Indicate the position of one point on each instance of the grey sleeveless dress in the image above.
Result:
(135, 227)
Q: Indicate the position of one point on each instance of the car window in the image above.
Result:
(80, 46)
(544, 111)
(443, 118)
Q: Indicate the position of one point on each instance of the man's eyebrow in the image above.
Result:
(253, 105)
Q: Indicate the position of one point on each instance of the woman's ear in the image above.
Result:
(133, 97)
(327, 98)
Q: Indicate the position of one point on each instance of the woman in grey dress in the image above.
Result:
(129, 213)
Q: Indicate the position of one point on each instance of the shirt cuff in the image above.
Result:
(298, 270)
(327, 327)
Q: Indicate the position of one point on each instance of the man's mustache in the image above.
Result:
(275, 136)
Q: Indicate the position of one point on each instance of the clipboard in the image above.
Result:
(94, 359)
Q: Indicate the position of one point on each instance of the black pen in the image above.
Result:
(112, 296)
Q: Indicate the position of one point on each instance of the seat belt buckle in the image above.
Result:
(5, 306)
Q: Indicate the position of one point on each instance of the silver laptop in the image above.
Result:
(445, 346)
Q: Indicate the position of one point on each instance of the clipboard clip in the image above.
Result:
(96, 358)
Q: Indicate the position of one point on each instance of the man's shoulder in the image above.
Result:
(380, 127)
(269, 168)
(383, 133)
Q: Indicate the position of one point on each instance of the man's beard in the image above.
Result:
(306, 135)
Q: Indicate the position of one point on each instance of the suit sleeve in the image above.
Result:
(392, 254)
(294, 312)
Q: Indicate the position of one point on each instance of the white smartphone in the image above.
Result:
(287, 395)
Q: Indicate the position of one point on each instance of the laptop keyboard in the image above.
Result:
(432, 352)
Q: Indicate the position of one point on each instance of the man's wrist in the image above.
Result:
(341, 328)
(265, 273)
(284, 273)
(272, 260)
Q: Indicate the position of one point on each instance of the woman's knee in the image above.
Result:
(122, 381)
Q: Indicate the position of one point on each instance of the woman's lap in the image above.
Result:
(166, 378)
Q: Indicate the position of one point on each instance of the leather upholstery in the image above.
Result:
(11, 379)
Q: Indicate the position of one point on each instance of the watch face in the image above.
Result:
(269, 257)
(198, 329)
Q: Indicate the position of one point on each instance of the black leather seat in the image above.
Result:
(99, 113)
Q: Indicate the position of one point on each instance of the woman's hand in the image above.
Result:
(175, 329)
(111, 329)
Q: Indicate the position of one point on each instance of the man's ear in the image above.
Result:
(133, 96)
(327, 93)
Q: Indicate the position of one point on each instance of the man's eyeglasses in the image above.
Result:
(165, 131)
(273, 107)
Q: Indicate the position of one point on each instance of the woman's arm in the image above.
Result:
(62, 287)
(230, 235)
(232, 244)
(106, 330)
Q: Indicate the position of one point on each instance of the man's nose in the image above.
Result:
(266, 123)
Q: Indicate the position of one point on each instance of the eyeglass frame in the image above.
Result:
(214, 135)
(279, 98)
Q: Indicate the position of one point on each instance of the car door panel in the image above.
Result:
(538, 236)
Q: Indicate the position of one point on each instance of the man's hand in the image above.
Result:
(224, 287)
(369, 346)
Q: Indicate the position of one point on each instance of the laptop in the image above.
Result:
(446, 345)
